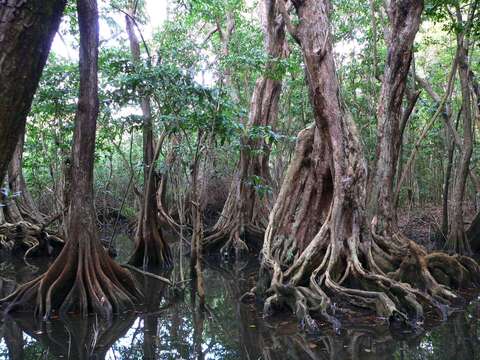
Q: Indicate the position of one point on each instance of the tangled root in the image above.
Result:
(332, 278)
(28, 238)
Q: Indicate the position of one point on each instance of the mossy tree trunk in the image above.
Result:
(83, 279)
(340, 264)
(245, 213)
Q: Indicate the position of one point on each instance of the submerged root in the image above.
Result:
(231, 235)
(320, 259)
(346, 278)
(82, 280)
(151, 251)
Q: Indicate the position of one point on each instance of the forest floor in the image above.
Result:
(423, 224)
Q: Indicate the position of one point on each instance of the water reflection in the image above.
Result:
(172, 327)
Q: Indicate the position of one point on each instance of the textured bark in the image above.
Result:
(446, 186)
(404, 17)
(151, 249)
(245, 213)
(344, 265)
(196, 262)
(27, 29)
(83, 279)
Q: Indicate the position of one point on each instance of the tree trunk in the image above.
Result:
(245, 213)
(22, 226)
(341, 264)
(17, 185)
(404, 17)
(446, 187)
(151, 249)
(27, 29)
(457, 241)
(83, 279)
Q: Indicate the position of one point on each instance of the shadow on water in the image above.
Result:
(171, 327)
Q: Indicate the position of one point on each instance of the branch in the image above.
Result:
(138, 28)
(209, 35)
(146, 273)
(292, 29)
(428, 126)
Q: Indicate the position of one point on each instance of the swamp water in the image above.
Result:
(227, 329)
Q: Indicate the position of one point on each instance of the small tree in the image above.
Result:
(83, 278)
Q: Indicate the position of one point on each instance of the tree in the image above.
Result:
(457, 240)
(404, 19)
(245, 212)
(22, 226)
(151, 249)
(83, 278)
(337, 258)
(26, 34)
(16, 183)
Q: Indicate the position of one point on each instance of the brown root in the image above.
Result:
(28, 238)
(234, 226)
(340, 265)
(82, 280)
(152, 252)
(151, 249)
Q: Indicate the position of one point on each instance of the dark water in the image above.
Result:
(172, 329)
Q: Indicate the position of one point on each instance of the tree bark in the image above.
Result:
(457, 241)
(151, 249)
(245, 213)
(22, 226)
(344, 264)
(83, 279)
(17, 185)
(27, 29)
(404, 17)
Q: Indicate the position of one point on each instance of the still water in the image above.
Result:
(171, 328)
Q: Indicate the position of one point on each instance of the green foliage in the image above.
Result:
(184, 77)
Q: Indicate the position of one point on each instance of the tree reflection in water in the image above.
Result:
(174, 328)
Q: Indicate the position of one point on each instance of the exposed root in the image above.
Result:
(28, 238)
(348, 278)
(82, 280)
(153, 253)
(234, 227)
(151, 249)
(340, 265)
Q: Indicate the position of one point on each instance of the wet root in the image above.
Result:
(82, 280)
